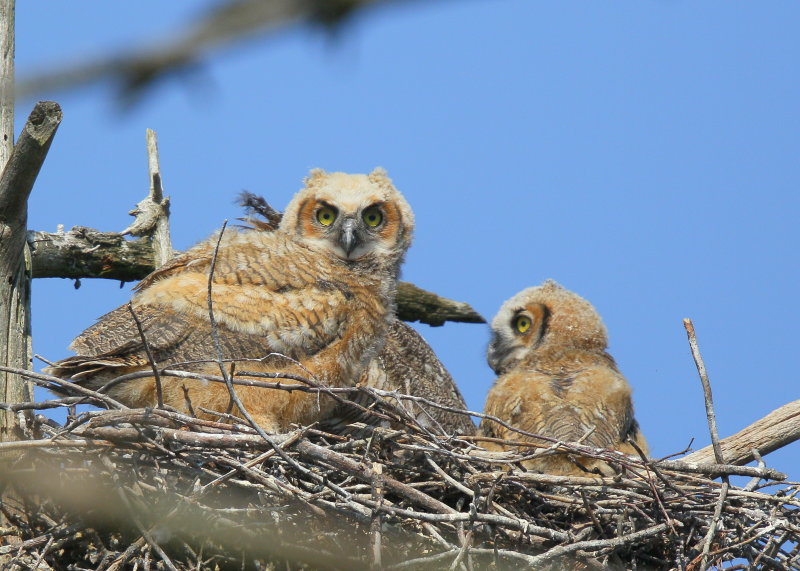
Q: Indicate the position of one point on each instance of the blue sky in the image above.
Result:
(643, 154)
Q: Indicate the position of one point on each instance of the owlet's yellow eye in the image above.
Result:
(326, 215)
(522, 323)
(372, 217)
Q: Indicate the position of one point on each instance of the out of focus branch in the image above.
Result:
(417, 304)
(224, 24)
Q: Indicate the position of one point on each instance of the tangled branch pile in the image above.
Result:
(156, 489)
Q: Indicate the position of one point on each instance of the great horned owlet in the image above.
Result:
(406, 365)
(556, 379)
(319, 291)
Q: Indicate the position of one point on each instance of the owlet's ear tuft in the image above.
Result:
(380, 177)
(315, 177)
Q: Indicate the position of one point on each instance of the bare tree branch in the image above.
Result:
(6, 80)
(774, 431)
(16, 183)
(87, 253)
(225, 24)
(23, 166)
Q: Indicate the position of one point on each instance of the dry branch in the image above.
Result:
(25, 161)
(16, 183)
(87, 253)
(226, 23)
(7, 50)
(774, 431)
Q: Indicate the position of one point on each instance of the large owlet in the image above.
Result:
(556, 379)
(320, 292)
(405, 365)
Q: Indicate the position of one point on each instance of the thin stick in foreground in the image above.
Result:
(701, 369)
(150, 358)
(712, 428)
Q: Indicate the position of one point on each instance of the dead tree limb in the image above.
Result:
(88, 253)
(16, 184)
(6, 80)
(23, 166)
(774, 431)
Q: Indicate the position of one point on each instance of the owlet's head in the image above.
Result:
(358, 217)
(542, 318)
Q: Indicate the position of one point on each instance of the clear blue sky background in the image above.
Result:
(644, 154)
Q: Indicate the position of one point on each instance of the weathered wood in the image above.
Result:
(9, 320)
(23, 165)
(6, 80)
(162, 243)
(774, 431)
(152, 213)
(16, 184)
(87, 253)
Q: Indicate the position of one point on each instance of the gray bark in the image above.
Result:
(16, 184)
(774, 431)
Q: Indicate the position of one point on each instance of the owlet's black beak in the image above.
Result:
(349, 239)
(497, 353)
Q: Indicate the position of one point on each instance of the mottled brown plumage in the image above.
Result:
(556, 379)
(406, 365)
(319, 291)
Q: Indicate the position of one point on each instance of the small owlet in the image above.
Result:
(320, 291)
(556, 379)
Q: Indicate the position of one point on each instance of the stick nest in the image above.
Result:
(156, 489)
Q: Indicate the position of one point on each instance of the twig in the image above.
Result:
(701, 369)
(712, 428)
(595, 544)
(50, 382)
(752, 484)
(42, 553)
(150, 358)
(375, 525)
